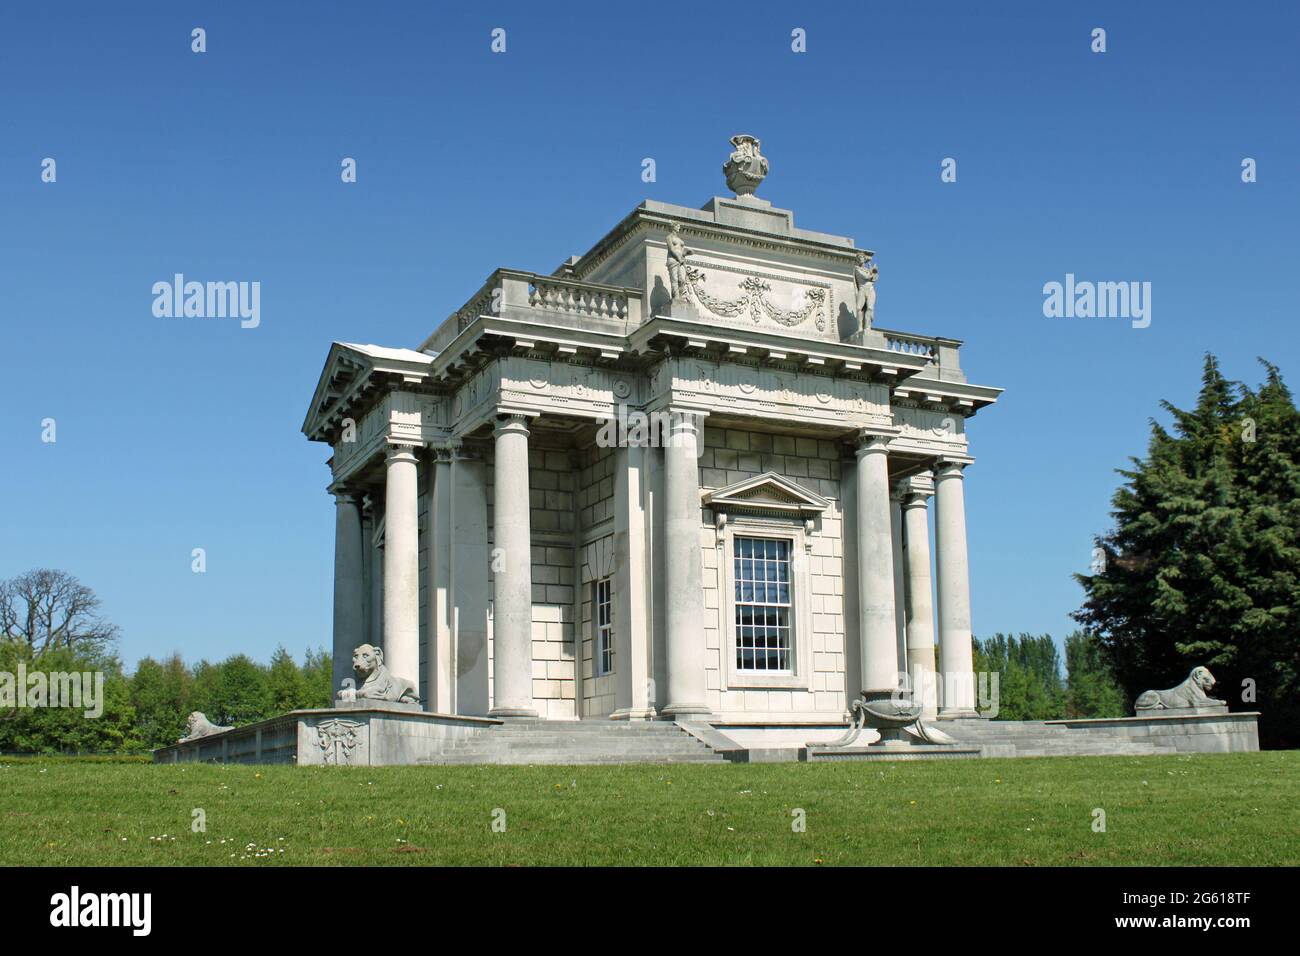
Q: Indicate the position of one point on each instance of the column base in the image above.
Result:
(957, 714)
(508, 712)
(688, 711)
(633, 713)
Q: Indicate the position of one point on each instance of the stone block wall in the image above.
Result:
(598, 692)
(552, 482)
(732, 455)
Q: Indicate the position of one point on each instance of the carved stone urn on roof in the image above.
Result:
(746, 166)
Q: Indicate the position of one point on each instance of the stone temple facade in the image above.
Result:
(685, 475)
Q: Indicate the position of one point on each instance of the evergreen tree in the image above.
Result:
(1203, 564)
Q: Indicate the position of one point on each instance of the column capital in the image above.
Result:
(951, 466)
(916, 489)
(464, 451)
(874, 440)
(400, 452)
(684, 417)
(343, 494)
(511, 423)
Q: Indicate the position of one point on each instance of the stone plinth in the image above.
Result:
(818, 753)
(356, 733)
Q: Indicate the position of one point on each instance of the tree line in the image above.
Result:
(1031, 685)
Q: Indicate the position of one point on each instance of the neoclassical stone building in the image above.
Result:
(683, 475)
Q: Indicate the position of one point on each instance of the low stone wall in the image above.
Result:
(1165, 732)
(1185, 732)
(363, 736)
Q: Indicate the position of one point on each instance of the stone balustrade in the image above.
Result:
(940, 351)
(551, 295)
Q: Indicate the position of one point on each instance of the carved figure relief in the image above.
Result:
(337, 739)
(677, 268)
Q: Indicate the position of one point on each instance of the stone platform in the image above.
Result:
(366, 734)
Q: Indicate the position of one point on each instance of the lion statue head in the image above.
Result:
(367, 659)
(1202, 678)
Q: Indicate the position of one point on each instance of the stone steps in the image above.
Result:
(578, 742)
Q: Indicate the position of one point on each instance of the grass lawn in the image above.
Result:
(1206, 810)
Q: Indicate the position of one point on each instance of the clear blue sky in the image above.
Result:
(181, 434)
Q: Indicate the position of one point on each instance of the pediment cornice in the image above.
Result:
(767, 494)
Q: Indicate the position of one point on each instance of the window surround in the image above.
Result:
(799, 677)
(767, 506)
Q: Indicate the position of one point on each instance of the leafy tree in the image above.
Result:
(1203, 563)
(1090, 686)
(1029, 675)
(91, 726)
(318, 677)
(161, 694)
(285, 683)
(243, 694)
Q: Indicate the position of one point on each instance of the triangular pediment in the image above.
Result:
(768, 493)
(348, 369)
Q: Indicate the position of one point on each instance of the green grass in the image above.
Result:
(1181, 810)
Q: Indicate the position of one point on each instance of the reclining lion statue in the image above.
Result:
(1190, 694)
(197, 725)
(375, 681)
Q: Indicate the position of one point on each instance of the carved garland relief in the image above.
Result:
(754, 302)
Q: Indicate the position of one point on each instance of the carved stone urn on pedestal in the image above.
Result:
(746, 166)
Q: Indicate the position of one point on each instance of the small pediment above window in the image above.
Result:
(767, 494)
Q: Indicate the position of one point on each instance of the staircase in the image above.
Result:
(532, 741)
(1034, 738)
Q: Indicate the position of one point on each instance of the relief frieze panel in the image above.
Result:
(770, 392)
(935, 430)
(567, 388)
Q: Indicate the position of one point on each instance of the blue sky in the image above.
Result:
(225, 165)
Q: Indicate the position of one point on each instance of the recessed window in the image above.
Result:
(763, 608)
(604, 622)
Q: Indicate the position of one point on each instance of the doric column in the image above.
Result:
(955, 655)
(402, 564)
(440, 678)
(512, 603)
(917, 491)
(469, 580)
(631, 602)
(900, 577)
(349, 584)
(877, 629)
(683, 577)
(369, 574)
